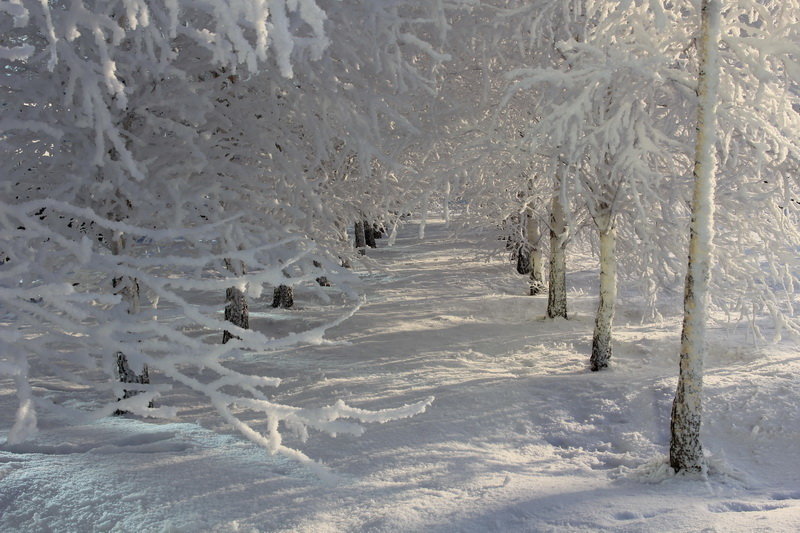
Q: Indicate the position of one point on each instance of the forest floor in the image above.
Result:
(521, 435)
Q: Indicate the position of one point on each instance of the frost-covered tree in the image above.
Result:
(485, 164)
(746, 128)
(509, 171)
(609, 126)
(629, 125)
(686, 452)
(624, 120)
(124, 127)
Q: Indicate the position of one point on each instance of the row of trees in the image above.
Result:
(608, 122)
(153, 151)
(156, 151)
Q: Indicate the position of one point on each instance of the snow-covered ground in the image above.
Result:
(521, 436)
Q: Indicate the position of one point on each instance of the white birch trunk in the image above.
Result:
(393, 233)
(601, 340)
(686, 451)
(534, 234)
(557, 293)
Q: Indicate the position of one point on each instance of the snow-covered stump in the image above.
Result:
(360, 237)
(534, 236)
(601, 341)
(369, 235)
(283, 296)
(557, 284)
(237, 311)
(685, 449)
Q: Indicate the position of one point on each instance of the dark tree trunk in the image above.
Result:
(369, 235)
(523, 261)
(236, 309)
(283, 297)
(361, 240)
(236, 312)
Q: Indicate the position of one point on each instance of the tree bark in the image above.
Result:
(236, 308)
(601, 341)
(557, 293)
(534, 236)
(283, 296)
(523, 259)
(361, 240)
(686, 451)
(369, 235)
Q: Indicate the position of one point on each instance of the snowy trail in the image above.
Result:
(521, 437)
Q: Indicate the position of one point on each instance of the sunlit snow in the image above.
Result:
(521, 436)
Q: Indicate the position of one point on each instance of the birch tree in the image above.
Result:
(624, 119)
(731, 37)
(498, 162)
(685, 451)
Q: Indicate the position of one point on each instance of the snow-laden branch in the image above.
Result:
(74, 329)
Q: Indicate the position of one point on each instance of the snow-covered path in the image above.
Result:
(521, 437)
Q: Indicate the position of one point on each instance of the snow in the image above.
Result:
(521, 435)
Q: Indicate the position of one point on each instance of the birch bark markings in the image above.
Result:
(601, 340)
(557, 286)
(559, 229)
(534, 236)
(686, 451)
